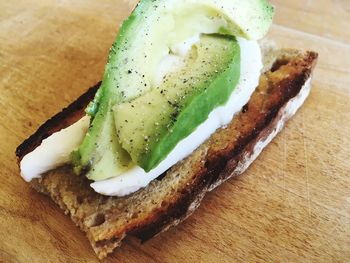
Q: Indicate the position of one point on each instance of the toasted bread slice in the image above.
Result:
(171, 198)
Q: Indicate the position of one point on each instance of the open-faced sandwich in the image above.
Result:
(188, 99)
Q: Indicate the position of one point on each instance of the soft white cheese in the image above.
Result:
(175, 59)
(136, 177)
(184, 47)
(54, 151)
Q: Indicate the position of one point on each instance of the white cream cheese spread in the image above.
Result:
(54, 151)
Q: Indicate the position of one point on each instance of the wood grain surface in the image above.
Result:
(292, 205)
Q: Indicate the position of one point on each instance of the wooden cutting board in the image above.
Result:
(293, 204)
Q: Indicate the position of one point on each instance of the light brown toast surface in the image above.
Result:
(171, 198)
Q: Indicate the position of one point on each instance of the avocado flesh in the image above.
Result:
(150, 126)
(148, 35)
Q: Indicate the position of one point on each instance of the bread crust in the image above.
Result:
(61, 120)
(108, 220)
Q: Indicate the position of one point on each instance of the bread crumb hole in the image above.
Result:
(98, 220)
(278, 64)
(135, 215)
(80, 200)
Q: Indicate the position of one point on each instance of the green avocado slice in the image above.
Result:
(151, 32)
(150, 126)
